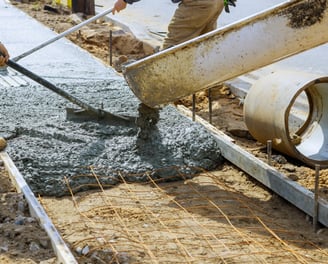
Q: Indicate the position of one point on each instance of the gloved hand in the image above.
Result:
(227, 3)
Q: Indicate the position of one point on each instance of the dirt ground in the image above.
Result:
(21, 238)
(218, 217)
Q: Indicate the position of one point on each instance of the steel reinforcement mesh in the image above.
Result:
(196, 220)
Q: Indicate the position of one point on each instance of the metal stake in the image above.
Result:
(193, 107)
(269, 151)
(316, 197)
(110, 47)
(210, 110)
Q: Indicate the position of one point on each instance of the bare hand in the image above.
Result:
(5, 57)
(118, 6)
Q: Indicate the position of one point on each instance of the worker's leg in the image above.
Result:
(191, 19)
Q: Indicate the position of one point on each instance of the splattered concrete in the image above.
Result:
(46, 147)
(306, 14)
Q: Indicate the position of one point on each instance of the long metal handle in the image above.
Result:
(100, 113)
(63, 34)
(51, 86)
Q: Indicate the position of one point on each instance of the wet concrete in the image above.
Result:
(306, 14)
(46, 147)
(146, 121)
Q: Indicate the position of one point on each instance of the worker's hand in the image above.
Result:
(118, 6)
(4, 57)
(227, 3)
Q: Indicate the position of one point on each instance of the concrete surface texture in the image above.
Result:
(46, 147)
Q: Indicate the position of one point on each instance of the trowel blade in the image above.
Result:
(82, 115)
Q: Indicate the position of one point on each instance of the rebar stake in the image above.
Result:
(269, 151)
(193, 107)
(110, 47)
(210, 109)
(316, 197)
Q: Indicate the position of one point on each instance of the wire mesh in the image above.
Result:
(195, 220)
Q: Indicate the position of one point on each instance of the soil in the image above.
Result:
(21, 238)
(166, 222)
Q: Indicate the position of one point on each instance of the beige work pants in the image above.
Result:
(191, 19)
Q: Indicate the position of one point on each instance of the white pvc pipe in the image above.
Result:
(291, 109)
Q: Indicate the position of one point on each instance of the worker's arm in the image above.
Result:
(121, 4)
(4, 57)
